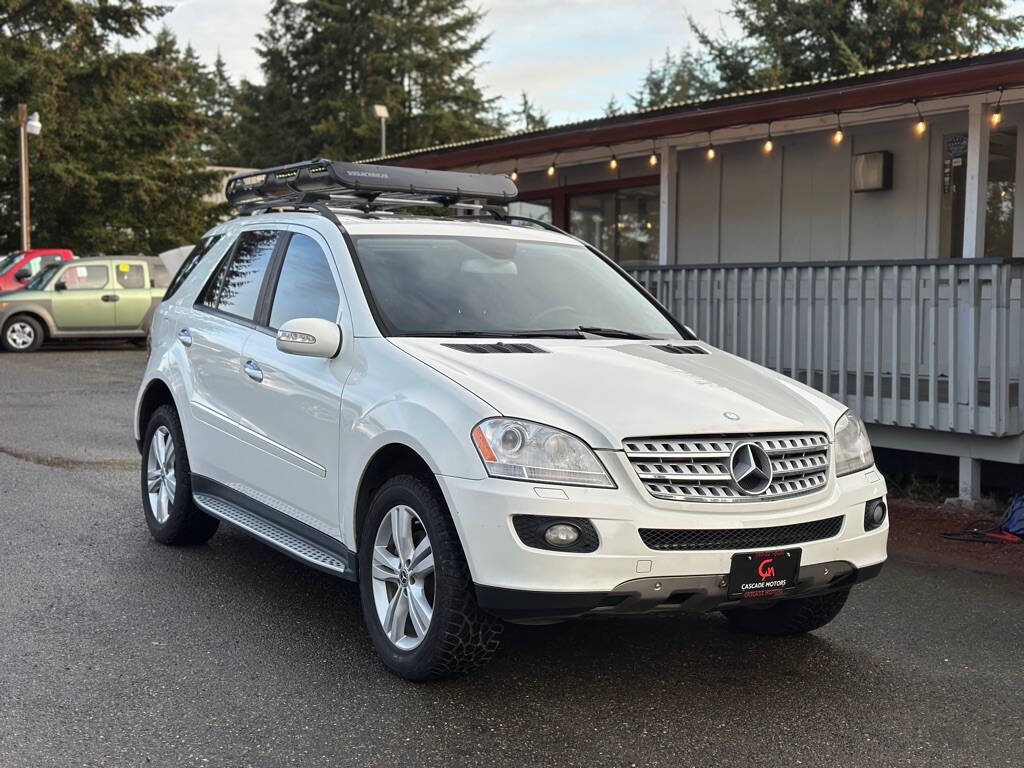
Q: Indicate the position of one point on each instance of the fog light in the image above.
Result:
(561, 535)
(874, 514)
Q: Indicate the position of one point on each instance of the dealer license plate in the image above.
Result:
(759, 575)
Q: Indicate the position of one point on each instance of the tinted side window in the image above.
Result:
(235, 289)
(306, 286)
(191, 261)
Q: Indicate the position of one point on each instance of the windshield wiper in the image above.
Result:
(614, 333)
(553, 333)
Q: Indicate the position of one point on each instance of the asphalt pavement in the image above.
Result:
(117, 651)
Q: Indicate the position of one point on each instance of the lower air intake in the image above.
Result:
(741, 538)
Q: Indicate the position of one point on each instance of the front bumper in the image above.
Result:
(562, 584)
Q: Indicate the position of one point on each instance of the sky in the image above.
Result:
(569, 55)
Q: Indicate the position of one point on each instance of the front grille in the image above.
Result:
(741, 538)
(697, 468)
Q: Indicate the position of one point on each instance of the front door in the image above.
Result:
(293, 410)
(84, 299)
(134, 297)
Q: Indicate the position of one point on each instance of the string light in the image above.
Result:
(552, 169)
(515, 172)
(837, 137)
(769, 145)
(710, 154)
(997, 114)
(921, 126)
(653, 159)
(614, 162)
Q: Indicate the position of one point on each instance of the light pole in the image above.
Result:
(27, 124)
(381, 112)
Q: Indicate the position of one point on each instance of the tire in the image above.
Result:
(459, 636)
(22, 333)
(179, 520)
(789, 617)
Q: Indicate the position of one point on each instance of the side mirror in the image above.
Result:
(23, 275)
(310, 337)
(60, 286)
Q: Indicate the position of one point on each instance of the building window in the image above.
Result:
(1002, 172)
(622, 224)
(532, 209)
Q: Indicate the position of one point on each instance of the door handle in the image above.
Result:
(185, 337)
(110, 297)
(253, 371)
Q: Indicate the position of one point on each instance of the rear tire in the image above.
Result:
(22, 333)
(789, 617)
(172, 516)
(459, 636)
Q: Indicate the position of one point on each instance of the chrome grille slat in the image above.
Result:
(696, 468)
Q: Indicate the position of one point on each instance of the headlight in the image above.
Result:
(523, 450)
(853, 449)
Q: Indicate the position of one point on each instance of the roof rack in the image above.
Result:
(364, 187)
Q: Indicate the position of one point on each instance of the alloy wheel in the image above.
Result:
(20, 335)
(160, 478)
(403, 577)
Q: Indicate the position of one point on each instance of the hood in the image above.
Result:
(606, 391)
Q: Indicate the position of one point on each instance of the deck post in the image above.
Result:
(970, 479)
(976, 200)
(668, 164)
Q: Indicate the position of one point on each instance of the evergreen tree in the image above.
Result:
(612, 108)
(327, 62)
(529, 117)
(787, 41)
(674, 79)
(119, 166)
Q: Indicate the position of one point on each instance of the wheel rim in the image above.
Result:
(160, 479)
(20, 335)
(403, 577)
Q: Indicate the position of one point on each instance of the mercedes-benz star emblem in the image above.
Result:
(751, 469)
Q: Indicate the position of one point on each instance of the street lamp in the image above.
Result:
(380, 111)
(27, 124)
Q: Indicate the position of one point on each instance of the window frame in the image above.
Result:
(283, 236)
(74, 264)
(195, 257)
(274, 270)
(131, 263)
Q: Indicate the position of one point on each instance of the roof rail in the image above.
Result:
(365, 187)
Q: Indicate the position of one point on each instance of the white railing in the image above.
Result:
(927, 344)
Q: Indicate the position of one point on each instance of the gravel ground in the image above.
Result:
(116, 651)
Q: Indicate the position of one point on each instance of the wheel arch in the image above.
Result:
(41, 317)
(388, 461)
(156, 394)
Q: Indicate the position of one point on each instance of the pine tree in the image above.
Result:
(612, 108)
(327, 62)
(787, 41)
(528, 116)
(119, 166)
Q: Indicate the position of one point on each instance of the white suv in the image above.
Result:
(482, 418)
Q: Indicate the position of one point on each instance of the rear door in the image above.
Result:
(214, 334)
(84, 298)
(134, 297)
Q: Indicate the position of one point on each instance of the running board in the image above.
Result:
(277, 536)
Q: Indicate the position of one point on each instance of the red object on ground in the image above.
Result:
(33, 261)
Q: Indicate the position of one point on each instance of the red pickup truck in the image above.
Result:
(16, 268)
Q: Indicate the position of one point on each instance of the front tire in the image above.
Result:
(789, 617)
(172, 516)
(22, 333)
(418, 600)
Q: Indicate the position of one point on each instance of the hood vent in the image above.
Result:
(499, 348)
(677, 350)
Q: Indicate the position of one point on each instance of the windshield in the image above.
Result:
(464, 286)
(8, 261)
(42, 277)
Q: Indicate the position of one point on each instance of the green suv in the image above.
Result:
(86, 298)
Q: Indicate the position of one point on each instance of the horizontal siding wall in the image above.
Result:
(797, 205)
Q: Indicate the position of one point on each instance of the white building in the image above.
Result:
(882, 264)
